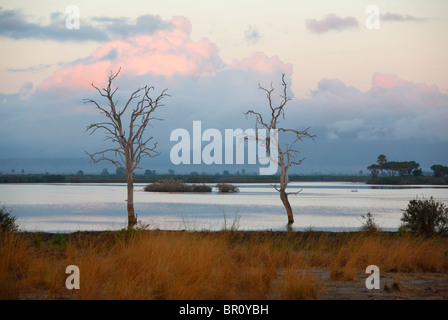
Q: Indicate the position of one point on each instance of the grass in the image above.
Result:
(171, 265)
(404, 254)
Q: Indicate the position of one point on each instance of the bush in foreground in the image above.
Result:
(173, 185)
(7, 222)
(369, 225)
(425, 216)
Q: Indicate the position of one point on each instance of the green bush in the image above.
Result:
(7, 222)
(425, 216)
(58, 240)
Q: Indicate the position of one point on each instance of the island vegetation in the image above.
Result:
(227, 188)
(175, 185)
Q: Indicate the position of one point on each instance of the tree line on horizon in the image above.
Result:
(402, 168)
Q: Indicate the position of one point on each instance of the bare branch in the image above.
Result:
(294, 193)
(132, 148)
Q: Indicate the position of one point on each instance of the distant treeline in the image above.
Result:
(188, 178)
(405, 172)
(32, 178)
(439, 170)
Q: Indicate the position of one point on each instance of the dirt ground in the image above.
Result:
(393, 286)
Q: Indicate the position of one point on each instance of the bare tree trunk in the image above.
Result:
(284, 180)
(132, 221)
(284, 198)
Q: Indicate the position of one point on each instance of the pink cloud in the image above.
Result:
(261, 63)
(388, 81)
(430, 94)
(166, 52)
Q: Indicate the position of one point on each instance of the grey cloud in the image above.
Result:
(111, 55)
(252, 35)
(124, 27)
(31, 68)
(25, 90)
(329, 23)
(395, 17)
(16, 25)
(404, 112)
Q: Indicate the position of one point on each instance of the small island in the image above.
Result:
(175, 185)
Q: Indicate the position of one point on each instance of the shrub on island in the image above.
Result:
(174, 185)
(226, 188)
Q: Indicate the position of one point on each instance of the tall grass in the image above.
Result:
(406, 253)
(202, 265)
(24, 273)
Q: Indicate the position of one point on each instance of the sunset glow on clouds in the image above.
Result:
(165, 53)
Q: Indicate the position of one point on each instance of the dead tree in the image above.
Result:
(128, 147)
(286, 155)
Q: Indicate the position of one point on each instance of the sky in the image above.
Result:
(364, 89)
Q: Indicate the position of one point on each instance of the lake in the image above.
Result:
(335, 206)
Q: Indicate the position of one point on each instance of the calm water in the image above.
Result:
(320, 206)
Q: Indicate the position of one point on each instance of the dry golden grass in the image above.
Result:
(406, 253)
(201, 265)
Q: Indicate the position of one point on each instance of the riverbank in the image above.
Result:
(232, 265)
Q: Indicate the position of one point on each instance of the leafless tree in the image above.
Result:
(286, 155)
(128, 147)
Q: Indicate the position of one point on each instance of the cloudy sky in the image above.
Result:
(363, 91)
